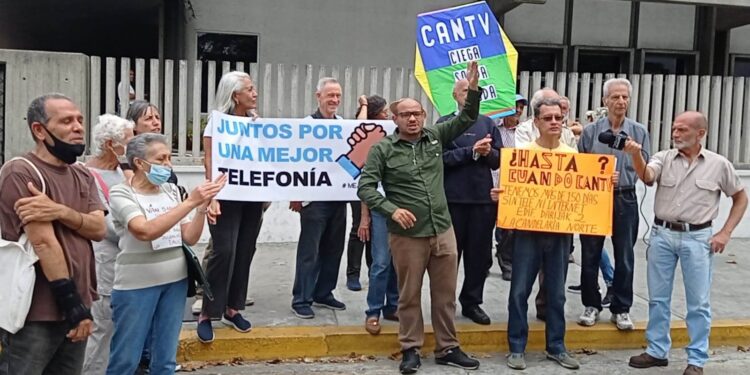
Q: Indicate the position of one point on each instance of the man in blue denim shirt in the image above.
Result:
(625, 214)
(690, 180)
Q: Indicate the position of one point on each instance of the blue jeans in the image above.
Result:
(319, 251)
(696, 259)
(41, 348)
(530, 250)
(383, 281)
(134, 312)
(608, 272)
(624, 234)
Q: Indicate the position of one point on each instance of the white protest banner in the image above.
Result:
(292, 159)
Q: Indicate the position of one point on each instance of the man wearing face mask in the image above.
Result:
(61, 225)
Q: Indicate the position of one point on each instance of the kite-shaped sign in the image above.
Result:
(448, 39)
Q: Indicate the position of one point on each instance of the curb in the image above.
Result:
(265, 343)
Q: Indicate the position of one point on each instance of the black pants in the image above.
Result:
(355, 247)
(473, 224)
(624, 236)
(319, 251)
(228, 266)
(41, 348)
(504, 245)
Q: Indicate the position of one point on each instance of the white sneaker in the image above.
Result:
(622, 321)
(589, 317)
(197, 306)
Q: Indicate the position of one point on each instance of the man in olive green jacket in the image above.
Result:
(409, 164)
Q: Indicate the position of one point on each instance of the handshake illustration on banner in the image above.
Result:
(362, 138)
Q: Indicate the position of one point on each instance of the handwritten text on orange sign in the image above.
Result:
(556, 192)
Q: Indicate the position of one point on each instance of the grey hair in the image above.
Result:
(614, 82)
(539, 96)
(228, 85)
(139, 145)
(138, 108)
(324, 81)
(37, 111)
(545, 101)
(108, 127)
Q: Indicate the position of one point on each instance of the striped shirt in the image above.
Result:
(138, 265)
(508, 136)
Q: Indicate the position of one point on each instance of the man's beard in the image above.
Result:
(684, 144)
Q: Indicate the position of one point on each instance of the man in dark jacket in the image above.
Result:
(469, 160)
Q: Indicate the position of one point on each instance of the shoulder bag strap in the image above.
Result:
(39, 174)
(101, 183)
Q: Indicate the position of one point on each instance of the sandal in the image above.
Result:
(372, 325)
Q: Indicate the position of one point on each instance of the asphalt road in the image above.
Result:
(725, 361)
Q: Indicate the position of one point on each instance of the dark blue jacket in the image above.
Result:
(467, 180)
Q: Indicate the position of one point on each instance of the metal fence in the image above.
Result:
(184, 89)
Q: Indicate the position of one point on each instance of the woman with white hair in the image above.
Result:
(109, 137)
(150, 284)
(236, 231)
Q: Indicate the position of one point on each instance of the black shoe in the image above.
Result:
(392, 316)
(352, 283)
(457, 358)
(575, 288)
(330, 303)
(410, 361)
(476, 314)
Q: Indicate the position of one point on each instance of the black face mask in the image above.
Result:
(67, 152)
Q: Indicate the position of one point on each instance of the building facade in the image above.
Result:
(608, 36)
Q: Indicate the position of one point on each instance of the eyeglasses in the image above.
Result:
(407, 115)
(552, 117)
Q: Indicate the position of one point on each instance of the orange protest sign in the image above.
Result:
(556, 192)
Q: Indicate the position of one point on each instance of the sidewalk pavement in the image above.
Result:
(272, 276)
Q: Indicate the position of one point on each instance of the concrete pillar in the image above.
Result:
(705, 38)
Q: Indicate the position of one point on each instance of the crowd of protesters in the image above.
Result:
(112, 275)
